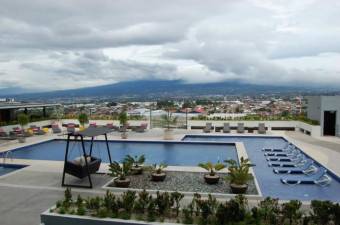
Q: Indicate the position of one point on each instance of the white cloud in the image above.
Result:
(49, 45)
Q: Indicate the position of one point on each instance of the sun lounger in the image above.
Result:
(320, 178)
(262, 128)
(93, 124)
(123, 129)
(207, 128)
(287, 153)
(298, 163)
(308, 168)
(290, 158)
(287, 147)
(56, 129)
(240, 128)
(141, 128)
(17, 130)
(5, 136)
(71, 128)
(3, 133)
(112, 127)
(226, 128)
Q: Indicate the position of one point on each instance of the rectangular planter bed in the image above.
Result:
(48, 218)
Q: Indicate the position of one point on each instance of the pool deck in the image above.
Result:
(28, 192)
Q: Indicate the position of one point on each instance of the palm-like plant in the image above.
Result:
(123, 118)
(158, 169)
(239, 174)
(212, 168)
(169, 119)
(83, 119)
(135, 161)
(120, 171)
(23, 120)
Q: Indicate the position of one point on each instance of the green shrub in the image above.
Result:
(162, 202)
(93, 203)
(151, 211)
(142, 201)
(176, 197)
(81, 211)
(187, 215)
(128, 200)
(291, 211)
(83, 119)
(67, 198)
(321, 211)
(102, 212)
(269, 211)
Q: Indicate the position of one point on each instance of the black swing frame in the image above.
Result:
(89, 132)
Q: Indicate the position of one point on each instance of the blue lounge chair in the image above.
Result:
(286, 159)
(283, 154)
(287, 147)
(308, 168)
(320, 178)
(298, 163)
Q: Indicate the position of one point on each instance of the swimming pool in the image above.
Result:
(171, 153)
(8, 168)
(269, 182)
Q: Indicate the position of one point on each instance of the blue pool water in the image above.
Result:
(171, 153)
(269, 182)
(8, 168)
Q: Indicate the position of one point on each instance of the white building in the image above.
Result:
(326, 110)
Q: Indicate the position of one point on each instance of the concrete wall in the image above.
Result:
(314, 108)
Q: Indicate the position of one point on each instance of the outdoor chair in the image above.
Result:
(240, 128)
(226, 128)
(56, 129)
(207, 128)
(71, 128)
(320, 178)
(262, 128)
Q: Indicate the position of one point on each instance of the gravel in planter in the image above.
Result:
(184, 181)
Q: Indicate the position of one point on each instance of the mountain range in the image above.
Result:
(151, 89)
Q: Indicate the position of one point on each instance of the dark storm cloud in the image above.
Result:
(67, 44)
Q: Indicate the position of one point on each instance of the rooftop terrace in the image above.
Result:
(28, 192)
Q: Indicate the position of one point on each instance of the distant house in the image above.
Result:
(199, 110)
(326, 110)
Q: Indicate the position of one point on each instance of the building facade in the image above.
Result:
(326, 110)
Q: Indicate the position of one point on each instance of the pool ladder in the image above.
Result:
(7, 155)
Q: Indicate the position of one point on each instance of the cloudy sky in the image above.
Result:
(52, 45)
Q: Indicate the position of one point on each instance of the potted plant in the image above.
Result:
(123, 118)
(212, 177)
(157, 173)
(136, 163)
(239, 175)
(168, 119)
(120, 172)
(23, 120)
(83, 119)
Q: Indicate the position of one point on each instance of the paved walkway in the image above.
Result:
(324, 150)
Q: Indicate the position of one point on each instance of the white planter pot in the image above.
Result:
(124, 135)
(168, 134)
(21, 139)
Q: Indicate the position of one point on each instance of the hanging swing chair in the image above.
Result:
(86, 164)
(80, 170)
